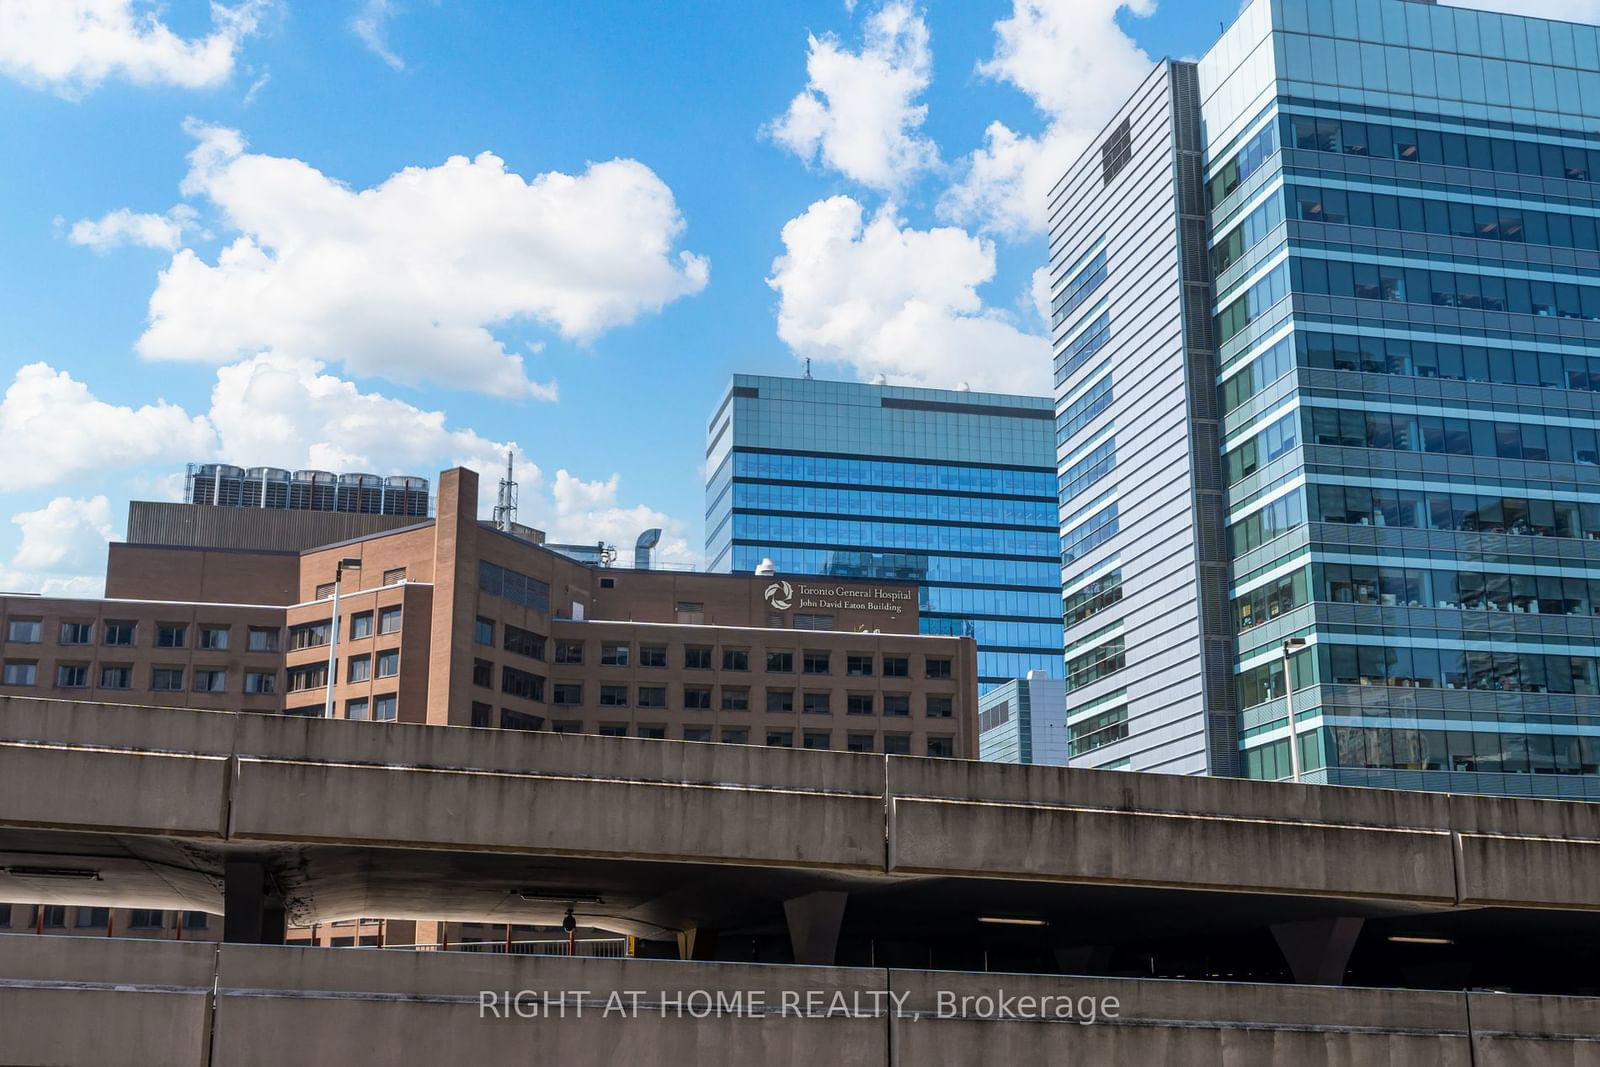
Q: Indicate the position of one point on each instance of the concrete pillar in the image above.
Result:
(699, 943)
(814, 921)
(252, 913)
(1318, 950)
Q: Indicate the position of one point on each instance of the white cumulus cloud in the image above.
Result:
(72, 46)
(62, 551)
(858, 113)
(1077, 65)
(407, 279)
(888, 299)
(575, 511)
(123, 227)
(54, 429)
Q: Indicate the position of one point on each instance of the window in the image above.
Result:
(388, 663)
(780, 662)
(697, 697)
(386, 708)
(690, 614)
(566, 726)
(91, 918)
(817, 703)
(1097, 595)
(25, 631)
(306, 711)
(897, 704)
(51, 916)
(1104, 655)
(121, 634)
(196, 920)
(858, 704)
(652, 696)
(608, 583)
(21, 674)
(483, 631)
(261, 682)
(735, 698)
(614, 655)
(897, 744)
(170, 679)
(780, 738)
(735, 659)
(214, 638)
(1099, 729)
(210, 681)
(357, 708)
(308, 635)
(695, 658)
(72, 676)
(1116, 152)
(524, 642)
(731, 735)
(566, 693)
(818, 740)
(940, 707)
(5, 915)
(938, 667)
(518, 588)
(780, 700)
(517, 720)
(652, 655)
(116, 677)
(1085, 472)
(146, 919)
(260, 639)
(358, 668)
(324, 590)
(858, 666)
(171, 635)
(941, 746)
(481, 714)
(613, 696)
(697, 733)
(813, 622)
(521, 684)
(394, 576)
(77, 633)
(613, 729)
(388, 620)
(569, 651)
(311, 676)
(816, 663)
(483, 674)
(360, 625)
(896, 667)
(654, 733)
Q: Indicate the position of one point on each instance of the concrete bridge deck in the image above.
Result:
(152, 1002)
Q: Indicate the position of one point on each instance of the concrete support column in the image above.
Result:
(252, 912)
(1318, 950)
(814, 921)
(699, 943)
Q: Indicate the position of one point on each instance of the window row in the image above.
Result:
(1082, 409)
(1425, 668)
(1078, 289)
(892, 535)
(858, 472)
(1105, 658)
(384, 707)
(1415, 358)
(893, 744)
(315, 634)
(906, 566)
(738, 698)
(1442, 217)
(125, 634)
(1508, 751)
(1523, 156)
(893, 505)
(531, 593)
(1085, 472)
(35, 917)
(1446, 288)
(118, 676)
(1087, 600)
(1092, 532)
(1090, 339)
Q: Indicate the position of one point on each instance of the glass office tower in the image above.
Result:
(951, 489)
(1400, 206)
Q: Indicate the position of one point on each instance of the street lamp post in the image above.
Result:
(348, 563)
(1290, 646)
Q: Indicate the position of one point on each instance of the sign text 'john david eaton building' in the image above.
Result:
(452, 621)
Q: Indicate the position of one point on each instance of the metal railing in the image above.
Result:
(591, 947)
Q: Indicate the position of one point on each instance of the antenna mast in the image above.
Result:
(505, 509)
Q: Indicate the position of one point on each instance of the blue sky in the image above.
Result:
(214, 249)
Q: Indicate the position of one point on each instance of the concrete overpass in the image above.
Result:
(791, 855)
(188, 1005)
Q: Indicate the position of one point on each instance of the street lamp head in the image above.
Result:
(1293, 644)
(350, 563)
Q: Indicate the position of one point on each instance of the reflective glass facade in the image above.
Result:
(955, 490)
(1404, 232)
